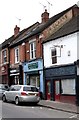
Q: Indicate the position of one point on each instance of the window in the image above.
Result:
(68, 86)
(32, 89)
(35, 81)
(32, 50)
(54, 55)
(4, 54)
(16, 55)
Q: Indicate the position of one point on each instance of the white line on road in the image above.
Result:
(74, 116)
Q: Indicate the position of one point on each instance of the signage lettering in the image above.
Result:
(33, 66)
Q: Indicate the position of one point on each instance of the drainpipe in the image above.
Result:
(9, 64)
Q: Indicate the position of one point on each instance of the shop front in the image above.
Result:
(4, 74)
(60, 83)
(33, 74)
(16, 75)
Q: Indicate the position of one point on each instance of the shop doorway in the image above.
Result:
(48, 90)
(57, 90)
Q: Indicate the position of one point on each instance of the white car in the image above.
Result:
(21, 93)
(3, 88)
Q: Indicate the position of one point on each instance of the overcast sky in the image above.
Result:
(26, 12)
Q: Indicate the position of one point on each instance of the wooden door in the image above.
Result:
(57, 90)
(48, 90)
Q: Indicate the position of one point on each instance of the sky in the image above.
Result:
(24, 13)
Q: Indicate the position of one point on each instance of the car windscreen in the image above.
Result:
(32, 89)
(15, 88)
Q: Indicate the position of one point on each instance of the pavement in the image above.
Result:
(67, 107)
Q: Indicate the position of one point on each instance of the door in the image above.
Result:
(48, 90)
(57, 90)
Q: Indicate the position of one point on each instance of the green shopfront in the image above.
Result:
(33, 74)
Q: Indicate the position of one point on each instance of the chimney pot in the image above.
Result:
(16, 31)
(45, 16)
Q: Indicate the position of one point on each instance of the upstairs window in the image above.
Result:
(54, 55)
(4, 54)
(32, 50)
(16, 55)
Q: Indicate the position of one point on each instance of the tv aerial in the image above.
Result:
(49, 4)
(44, 7)
(19, 19)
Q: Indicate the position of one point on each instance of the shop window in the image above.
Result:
(68, 86)
(4, 54)
(35, 81)
(16, 55)
(32, 50)
(54, 55)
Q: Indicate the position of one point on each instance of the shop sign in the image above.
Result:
(33, 66)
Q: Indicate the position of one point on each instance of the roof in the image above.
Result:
(8, 41)
(40, 27)
(70, 27)
(24, 33)
(34, 29)
(43, 26)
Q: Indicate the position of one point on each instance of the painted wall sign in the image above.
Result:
(33, 66)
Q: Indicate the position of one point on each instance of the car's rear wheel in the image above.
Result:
(4, 98)
(16, 100)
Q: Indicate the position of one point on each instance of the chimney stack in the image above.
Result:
(45, 16)
(16, 31)
(75, 10)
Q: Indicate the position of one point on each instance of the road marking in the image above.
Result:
(74, 116)
(32, 107)
(41, 108)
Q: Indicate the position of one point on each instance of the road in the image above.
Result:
(10, 110)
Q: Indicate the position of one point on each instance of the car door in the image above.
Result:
(9, 93)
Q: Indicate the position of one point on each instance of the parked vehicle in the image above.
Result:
(22, 93)
(3, 88)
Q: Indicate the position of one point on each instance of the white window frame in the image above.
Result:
(16, 55)
(52, 57)
(33, 52)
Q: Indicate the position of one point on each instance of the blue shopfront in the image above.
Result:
(33, 74)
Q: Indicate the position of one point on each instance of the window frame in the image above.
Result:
(33, 50)
(17, 55)
(54, 55)
(68, 87)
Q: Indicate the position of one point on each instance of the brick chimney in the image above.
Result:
(16, 31)
(45, 16)
(75, 10)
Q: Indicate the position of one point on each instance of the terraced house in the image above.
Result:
(4, 61)
(28, 59)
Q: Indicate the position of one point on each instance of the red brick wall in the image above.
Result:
(38, 48)
(27, 51)
(12, 55)
(22, 52)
